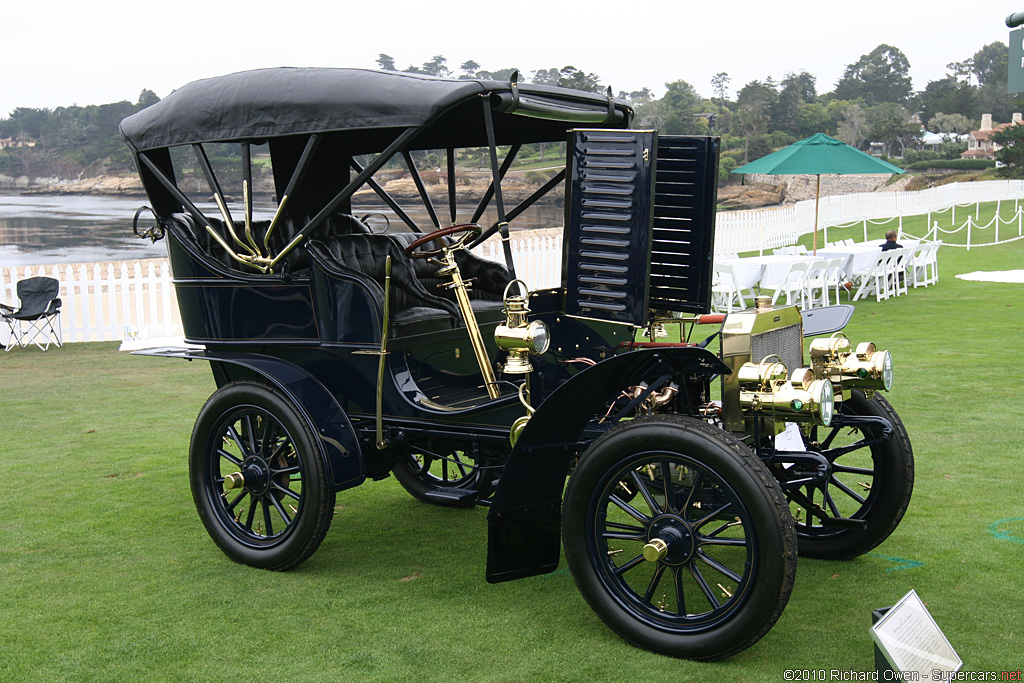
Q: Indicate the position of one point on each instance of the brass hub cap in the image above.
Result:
(676, 534)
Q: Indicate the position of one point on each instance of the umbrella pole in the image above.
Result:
(817, 197)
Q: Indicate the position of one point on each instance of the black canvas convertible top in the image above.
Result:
(269, 103)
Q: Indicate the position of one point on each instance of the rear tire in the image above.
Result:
(279, 517)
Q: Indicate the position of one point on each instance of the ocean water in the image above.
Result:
(50, 229)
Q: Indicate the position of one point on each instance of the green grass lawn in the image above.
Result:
(107, 573)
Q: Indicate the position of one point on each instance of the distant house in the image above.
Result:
(21, 141)
(979, 142)
(933, 141)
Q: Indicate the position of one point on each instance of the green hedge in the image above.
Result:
(958, 164)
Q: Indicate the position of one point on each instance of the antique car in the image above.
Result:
(345, 348)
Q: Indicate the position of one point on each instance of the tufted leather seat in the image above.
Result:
(419, 304)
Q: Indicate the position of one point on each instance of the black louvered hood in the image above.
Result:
(640, 223)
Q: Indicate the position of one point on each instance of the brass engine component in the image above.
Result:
(865, 368)
(656, 399)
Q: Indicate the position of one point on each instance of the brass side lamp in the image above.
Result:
(519, 337)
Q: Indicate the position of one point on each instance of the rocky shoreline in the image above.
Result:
(756, 192)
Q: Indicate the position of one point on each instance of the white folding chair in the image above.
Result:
(932, 263)
(815, 284)
(792, 284)
(876, 276)
(725, 289)
(896, 271)
(834, 277)
(918, 267)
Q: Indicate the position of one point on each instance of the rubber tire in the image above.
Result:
(768, 511)
(316, 509)
(888, 503)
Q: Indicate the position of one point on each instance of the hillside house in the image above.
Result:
(979, 142)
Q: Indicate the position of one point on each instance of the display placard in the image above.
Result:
(911, 640)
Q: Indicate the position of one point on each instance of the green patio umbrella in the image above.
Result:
(818, 155)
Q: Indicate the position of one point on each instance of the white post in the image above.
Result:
(166, 317)
(152, 284)
(126, 306)
(865, 229)
(968, 232)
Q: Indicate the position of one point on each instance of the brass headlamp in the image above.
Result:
(764, 388)
(519, 337)
(865, 368)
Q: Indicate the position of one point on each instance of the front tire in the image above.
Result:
(282, 512)
(870, 480)
(731, 557)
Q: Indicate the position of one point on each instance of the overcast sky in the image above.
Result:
(94, 52)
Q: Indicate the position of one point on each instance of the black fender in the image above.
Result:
(339, 446)
(524, 522)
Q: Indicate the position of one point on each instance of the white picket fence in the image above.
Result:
(766, 229)
(106, 301)
(111, 300)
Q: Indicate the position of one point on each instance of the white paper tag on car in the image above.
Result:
(790, 440)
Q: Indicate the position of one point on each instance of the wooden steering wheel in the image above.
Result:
(470, 230)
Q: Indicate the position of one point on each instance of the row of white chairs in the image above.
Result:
(896, 269)
(839, 243)
(810, 284)
(807, 284)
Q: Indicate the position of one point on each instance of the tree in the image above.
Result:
(751, 120)
(469, 69)
(882, 75)
(568, 77)
(385, 62)
(890, 124)
(964, 69)
(950, 124)
(636, 97)
(853, 127)
(499, 75)
(1012, 152)
(989, 64)
(950, 96)
(147, 97)
(436, 66)
(813, 118)
(680, 107)
(720, 86)
(797, 90)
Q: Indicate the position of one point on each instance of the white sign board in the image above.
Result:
(912, 641)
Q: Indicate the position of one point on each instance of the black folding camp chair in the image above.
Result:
(38, 319)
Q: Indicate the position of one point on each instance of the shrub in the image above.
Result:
(957, 164)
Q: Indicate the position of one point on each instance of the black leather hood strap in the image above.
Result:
(498, 201)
